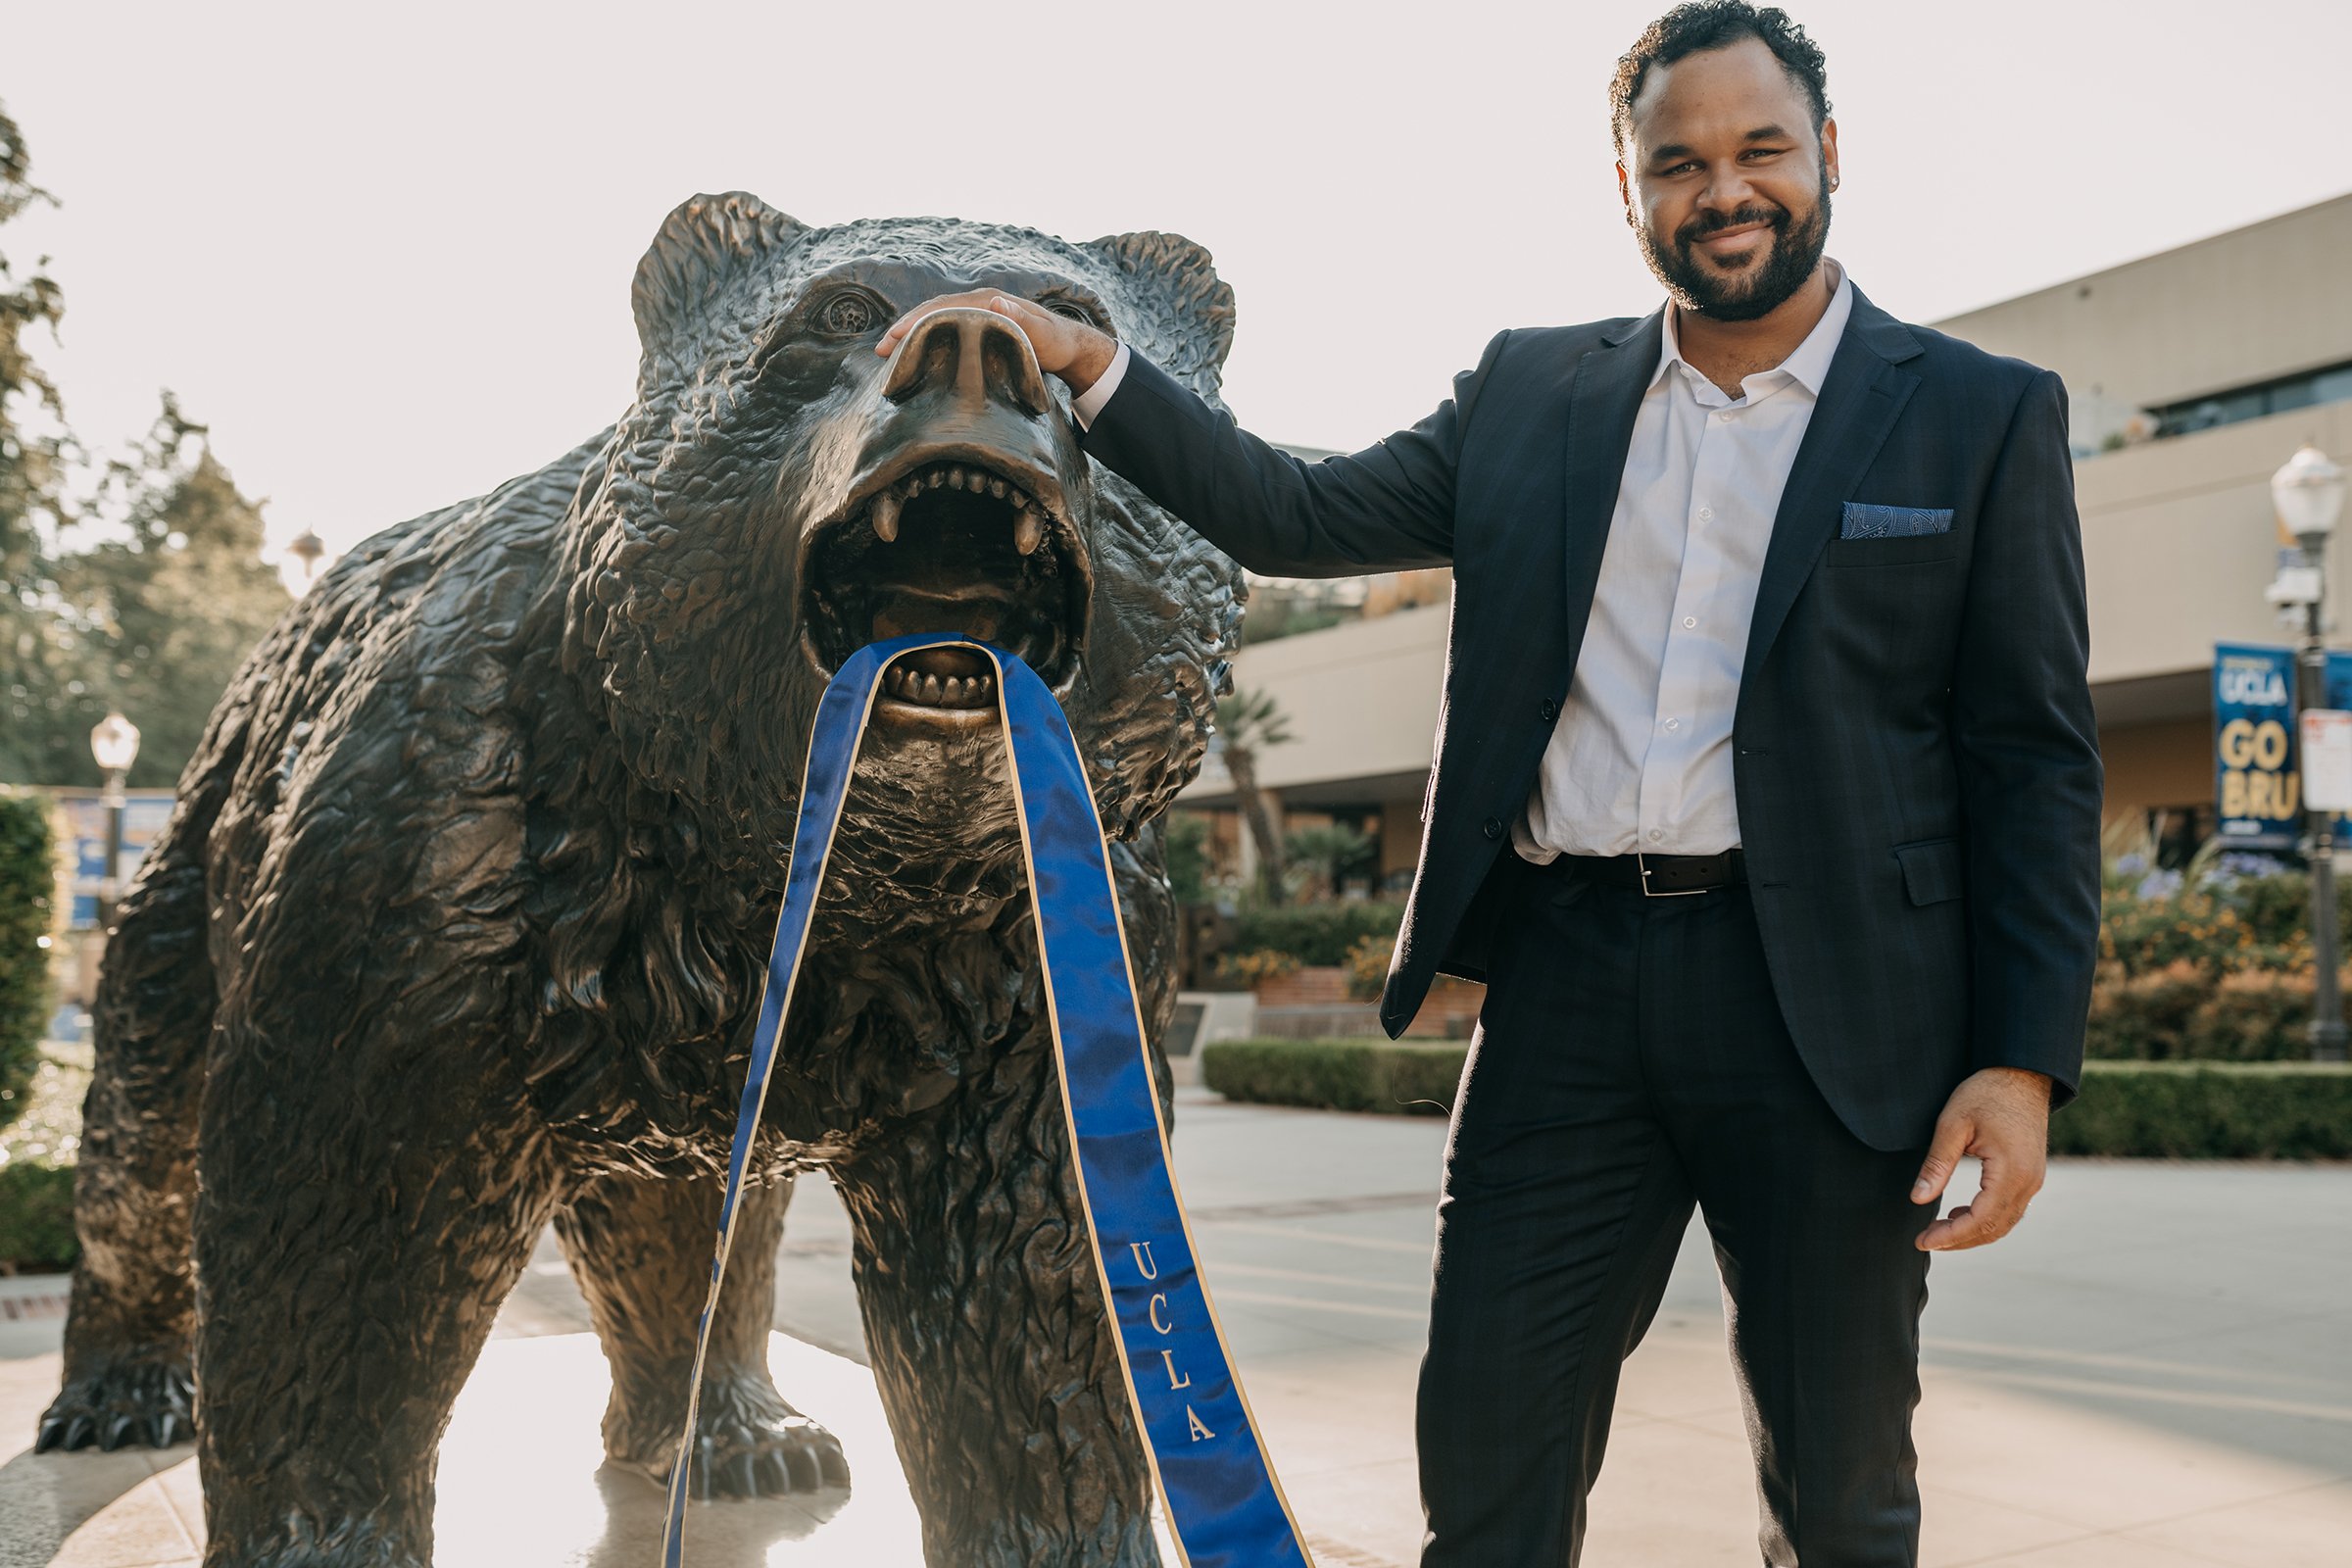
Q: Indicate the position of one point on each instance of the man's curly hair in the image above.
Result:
(1703, 25)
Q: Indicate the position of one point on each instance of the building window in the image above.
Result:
(2332, 385)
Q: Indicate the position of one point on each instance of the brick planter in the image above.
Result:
(1313, 1003)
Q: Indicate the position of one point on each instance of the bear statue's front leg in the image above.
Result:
(368, 1200)
(127, 1334)
(641, 1250)
(985, 1321)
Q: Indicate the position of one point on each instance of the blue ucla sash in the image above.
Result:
(1225, 1508)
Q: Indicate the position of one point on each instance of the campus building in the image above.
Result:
(2193, 375)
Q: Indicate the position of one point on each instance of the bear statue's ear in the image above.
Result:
(1188, 310)
(704, 245)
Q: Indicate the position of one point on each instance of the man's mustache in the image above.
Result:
(1706, 223)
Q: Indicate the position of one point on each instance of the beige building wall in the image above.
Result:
(2254, 304)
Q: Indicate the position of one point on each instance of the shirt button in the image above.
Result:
(1690, 621)
(1674, 723)
(1706, 514)
(1657, 834)
(1550, 710)
(1491, 827)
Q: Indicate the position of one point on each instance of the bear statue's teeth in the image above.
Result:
(886, 516)
(1028, 530)
(910, 685)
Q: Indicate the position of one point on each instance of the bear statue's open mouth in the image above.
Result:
(948, 540)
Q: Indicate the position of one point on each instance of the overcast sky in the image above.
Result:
(385, 251)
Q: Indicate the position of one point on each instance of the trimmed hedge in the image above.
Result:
(2165, 1110)
(2209, 1110)
(1335, 1074)
(28, 886)
(1316, 933)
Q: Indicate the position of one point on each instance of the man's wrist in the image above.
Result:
(1088, 401)
(1096, 353)
(2021, 1079)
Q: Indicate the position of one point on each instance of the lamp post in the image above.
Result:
(2309, 493)
(114, 743)
(304, 563)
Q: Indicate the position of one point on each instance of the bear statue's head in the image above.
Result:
(779, 495)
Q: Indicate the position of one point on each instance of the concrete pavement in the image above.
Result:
(2156, 1370)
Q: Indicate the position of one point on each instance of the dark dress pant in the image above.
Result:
(1629, 1064)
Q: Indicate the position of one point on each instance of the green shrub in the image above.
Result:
(36, 1218)
(2254, 1015)
(2195, 1110)
(1377, 1075)
(1317, 933)
(36, 1164)
(27, 885)
(2146, 1016)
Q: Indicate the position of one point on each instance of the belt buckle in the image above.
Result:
(1641, 862)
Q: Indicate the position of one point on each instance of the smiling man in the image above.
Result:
(1766, 802)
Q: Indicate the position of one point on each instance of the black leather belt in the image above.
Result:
(1660, 876)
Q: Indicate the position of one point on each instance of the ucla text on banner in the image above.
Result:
(1225, 1507)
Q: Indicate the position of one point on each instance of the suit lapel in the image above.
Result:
(1602, 405)
(1865, 390)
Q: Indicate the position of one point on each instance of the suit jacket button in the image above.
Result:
(1550, 710)
(1491, 827)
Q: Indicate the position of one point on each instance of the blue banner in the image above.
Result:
(1225, 1507)
(2257, 786)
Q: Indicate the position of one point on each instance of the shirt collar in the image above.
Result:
(1808, 364)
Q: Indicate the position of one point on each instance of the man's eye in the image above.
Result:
(847, 316)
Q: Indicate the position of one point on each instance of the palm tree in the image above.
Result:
(1249, 721)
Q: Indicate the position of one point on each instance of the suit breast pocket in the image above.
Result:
(1908, 551)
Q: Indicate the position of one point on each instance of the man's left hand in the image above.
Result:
(2003, 1117)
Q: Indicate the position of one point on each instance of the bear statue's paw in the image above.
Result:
(141, 1399)
(749, 1443)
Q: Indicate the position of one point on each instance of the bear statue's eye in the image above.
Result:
(848, 315)
(1075, 309)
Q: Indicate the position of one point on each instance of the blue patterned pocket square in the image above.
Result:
(1863, 521)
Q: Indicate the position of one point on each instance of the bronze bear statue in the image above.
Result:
(459, 925)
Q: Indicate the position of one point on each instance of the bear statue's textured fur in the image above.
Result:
(459, 925)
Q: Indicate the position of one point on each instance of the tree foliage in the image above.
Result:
(159, 596)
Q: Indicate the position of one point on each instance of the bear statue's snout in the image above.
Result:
(966, 514)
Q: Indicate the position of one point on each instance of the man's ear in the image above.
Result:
(703, 249)
(1175, 311)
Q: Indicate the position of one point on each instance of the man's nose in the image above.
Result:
(1727, 188)
(975, 356)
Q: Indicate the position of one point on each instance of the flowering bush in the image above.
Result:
(2213, 963)
(1258, 965)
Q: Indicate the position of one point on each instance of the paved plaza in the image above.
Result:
(2155, 1371)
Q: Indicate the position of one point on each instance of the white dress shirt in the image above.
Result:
(1089, 402)
(1641, 758)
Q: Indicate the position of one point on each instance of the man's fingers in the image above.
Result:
(1988, 1218)
(1952, 1135)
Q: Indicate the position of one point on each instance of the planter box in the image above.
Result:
(1313, 1004)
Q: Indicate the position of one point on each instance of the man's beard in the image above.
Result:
(1760, 289)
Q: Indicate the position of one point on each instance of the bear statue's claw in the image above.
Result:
(775, 1452)
(128, 1404)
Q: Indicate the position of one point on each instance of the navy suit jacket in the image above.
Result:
(1916, 764)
